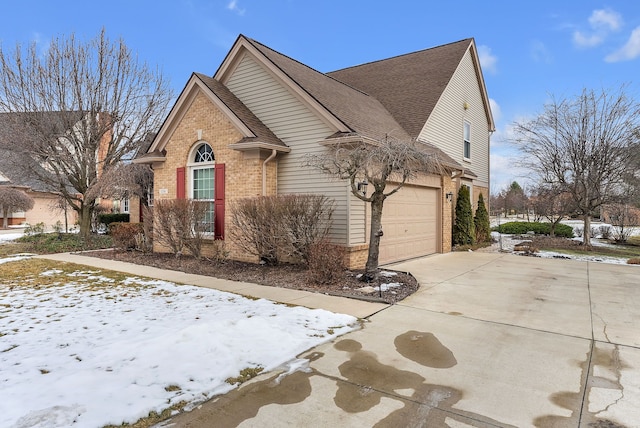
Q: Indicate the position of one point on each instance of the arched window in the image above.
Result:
(202, 178)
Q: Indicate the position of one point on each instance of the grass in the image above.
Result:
(245, 375)
(472, 247)
(153, 417)
(28, 273)
(48, 243)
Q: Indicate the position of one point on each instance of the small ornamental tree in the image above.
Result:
(12, 200)
(385, 166)
(463, 227)
(481, 222)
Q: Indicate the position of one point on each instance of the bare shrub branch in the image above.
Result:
(80, 109)
(284, 226)
(179, 224)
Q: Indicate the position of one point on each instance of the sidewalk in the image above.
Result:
(354, 307)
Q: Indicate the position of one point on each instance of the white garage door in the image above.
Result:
(409, 223)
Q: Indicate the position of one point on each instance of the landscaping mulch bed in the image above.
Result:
(283, 275)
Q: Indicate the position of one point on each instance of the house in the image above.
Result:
(245, 132)
(15, 167)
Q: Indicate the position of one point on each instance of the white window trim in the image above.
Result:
(192, 165)
(465, 141)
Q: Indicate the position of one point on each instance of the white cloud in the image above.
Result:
(505, 170)
(605, 18)
(602, 22)
(629, 51)
(487, 59)
(539, 52)
(233, 6)
(587, 41)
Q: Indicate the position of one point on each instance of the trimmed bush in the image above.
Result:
(125, 235)
(326, 262)
(179, 225)
(523, 227)
(281, 227)
(107, 219)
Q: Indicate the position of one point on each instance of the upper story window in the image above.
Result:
(467, 140)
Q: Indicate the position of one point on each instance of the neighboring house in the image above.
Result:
(246, 130)
(14, 166)
(48, 208)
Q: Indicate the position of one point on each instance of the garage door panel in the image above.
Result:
(409, 222)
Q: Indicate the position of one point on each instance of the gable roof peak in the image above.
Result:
(465, 42)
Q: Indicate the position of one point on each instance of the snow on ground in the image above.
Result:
(601, 259)
(4, 237)
(90, 351)
(507, 242)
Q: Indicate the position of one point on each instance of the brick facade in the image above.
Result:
(243, 170)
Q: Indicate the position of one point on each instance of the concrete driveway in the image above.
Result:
(489, 340)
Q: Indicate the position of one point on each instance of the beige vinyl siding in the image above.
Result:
(446, 123)
(357, 226)
(297, 126)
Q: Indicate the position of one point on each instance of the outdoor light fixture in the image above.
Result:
(449, 196)
(362, 187)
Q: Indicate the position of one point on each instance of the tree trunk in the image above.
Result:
(84, 217)
(586, 233)
(371, 268)
(5, 219)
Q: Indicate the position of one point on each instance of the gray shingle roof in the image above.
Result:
(260, 130)
(393, 96)
(361, 113)
(410, 85)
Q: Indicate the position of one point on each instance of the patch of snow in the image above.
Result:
(601, 259)
(387, 273)
(83, 355)
(387, 287)
(5, 237)
(15, 258)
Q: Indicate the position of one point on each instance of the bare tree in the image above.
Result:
(12, 200)
(551, 203)
(384, 164)
(84, 106)
(124, 180)
(583, 146)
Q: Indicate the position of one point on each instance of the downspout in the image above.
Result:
(273, 154)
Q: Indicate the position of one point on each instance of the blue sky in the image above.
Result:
(529, 50)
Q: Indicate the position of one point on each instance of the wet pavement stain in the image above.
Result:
(369, 380)
(425, 349)
(244, 403)
(364, 369)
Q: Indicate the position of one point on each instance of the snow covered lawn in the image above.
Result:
(88, 348)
